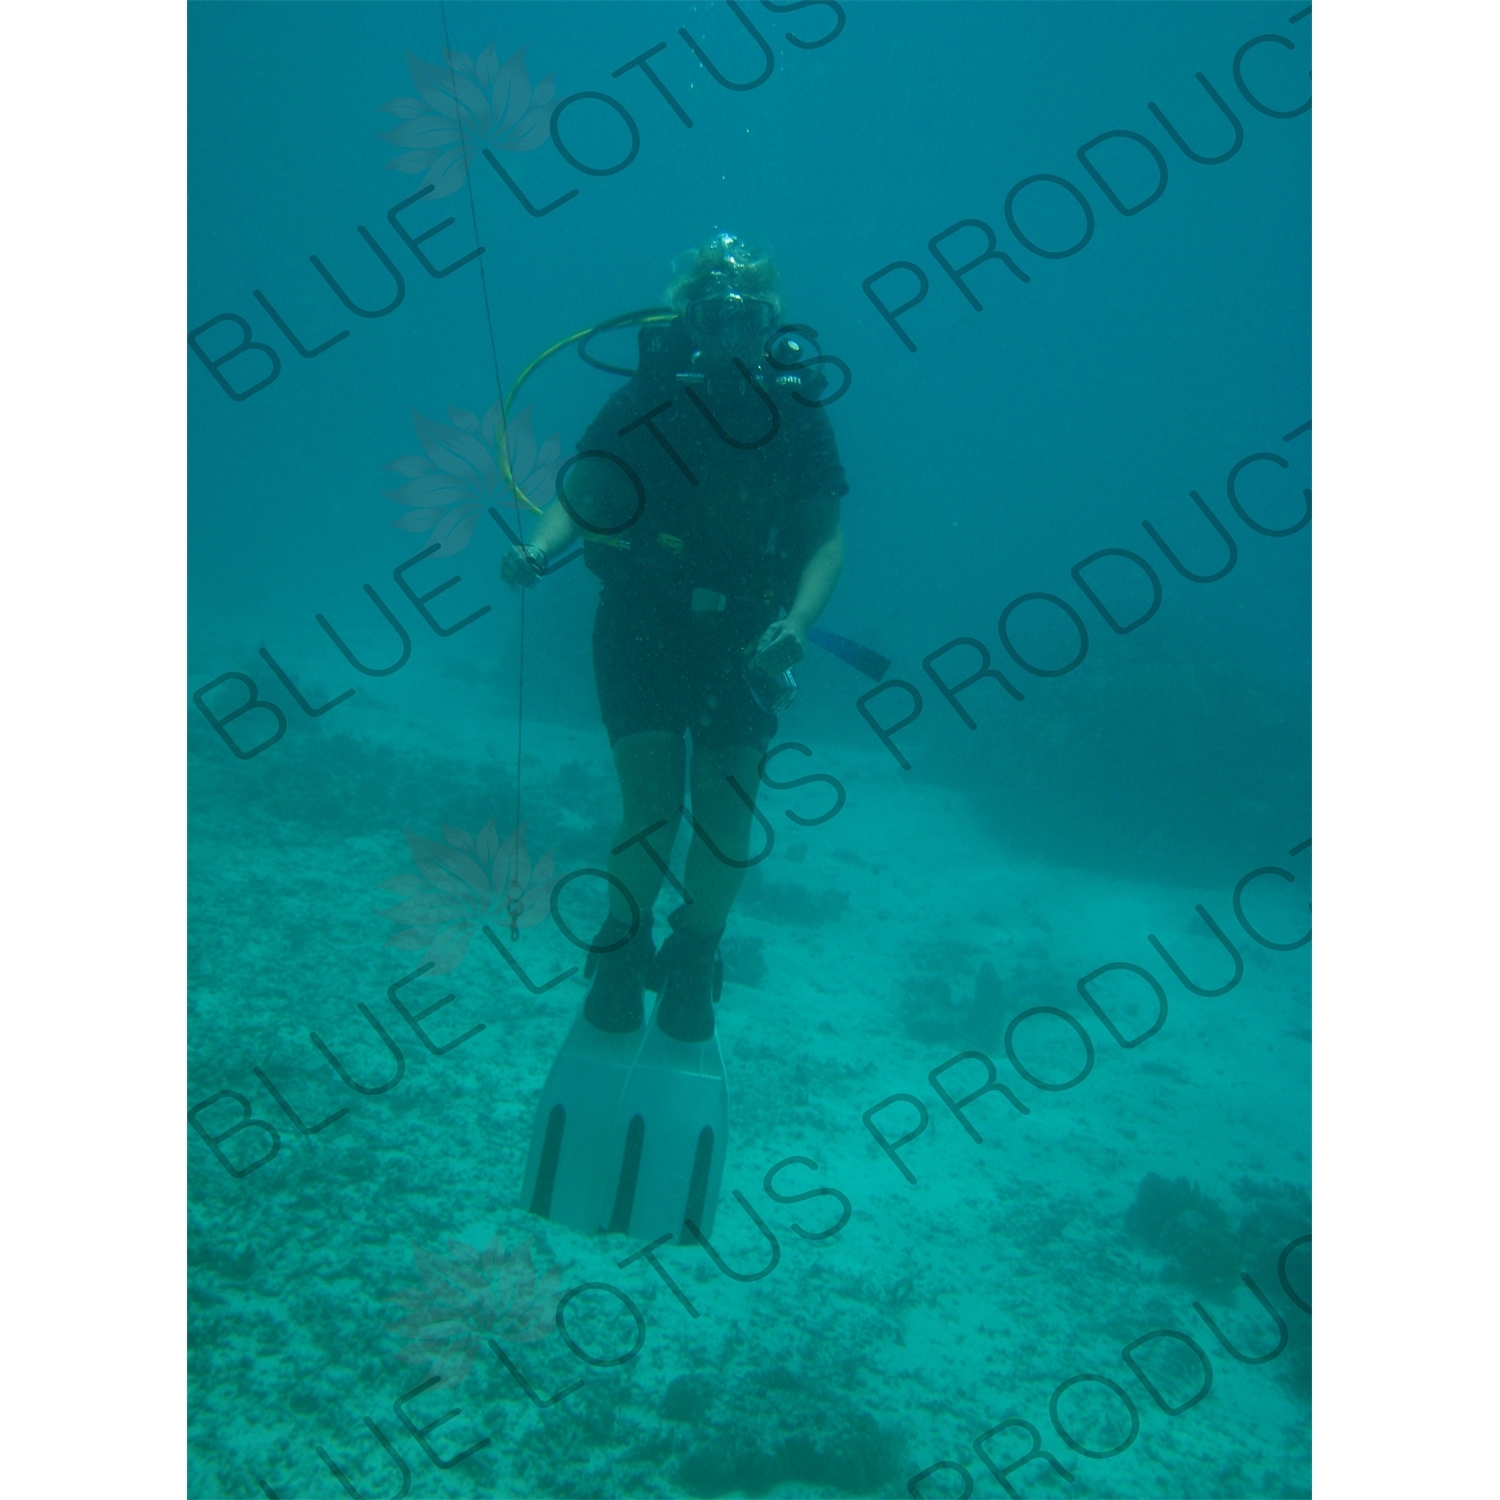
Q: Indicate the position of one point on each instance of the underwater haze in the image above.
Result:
(1016, 1010)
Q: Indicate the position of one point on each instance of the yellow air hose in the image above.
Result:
(639, 317)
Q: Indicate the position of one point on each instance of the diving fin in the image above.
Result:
(630, 1134)
(671, 1132)
(572, 1142)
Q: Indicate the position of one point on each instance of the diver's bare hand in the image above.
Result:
(522, 566)
(782, 646)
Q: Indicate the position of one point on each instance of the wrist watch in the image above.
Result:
(535, 557)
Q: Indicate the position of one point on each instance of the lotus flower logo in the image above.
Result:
(459, 472)
(462, 882)
(466, 104)
(468, 1296)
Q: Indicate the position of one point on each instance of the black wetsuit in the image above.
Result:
(720, 491)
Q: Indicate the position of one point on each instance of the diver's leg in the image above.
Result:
(687, 963)
(651, 770)
(723, 815)
(650, 765)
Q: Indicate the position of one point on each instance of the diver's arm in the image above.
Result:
(553, 531)
(785, 642)
(819, 579)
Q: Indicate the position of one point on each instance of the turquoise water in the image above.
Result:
(1148, 807)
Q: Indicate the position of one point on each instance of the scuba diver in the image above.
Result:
(707, 492)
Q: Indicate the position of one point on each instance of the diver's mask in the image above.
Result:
(730, 321)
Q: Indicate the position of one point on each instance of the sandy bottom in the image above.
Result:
(945, 1305)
